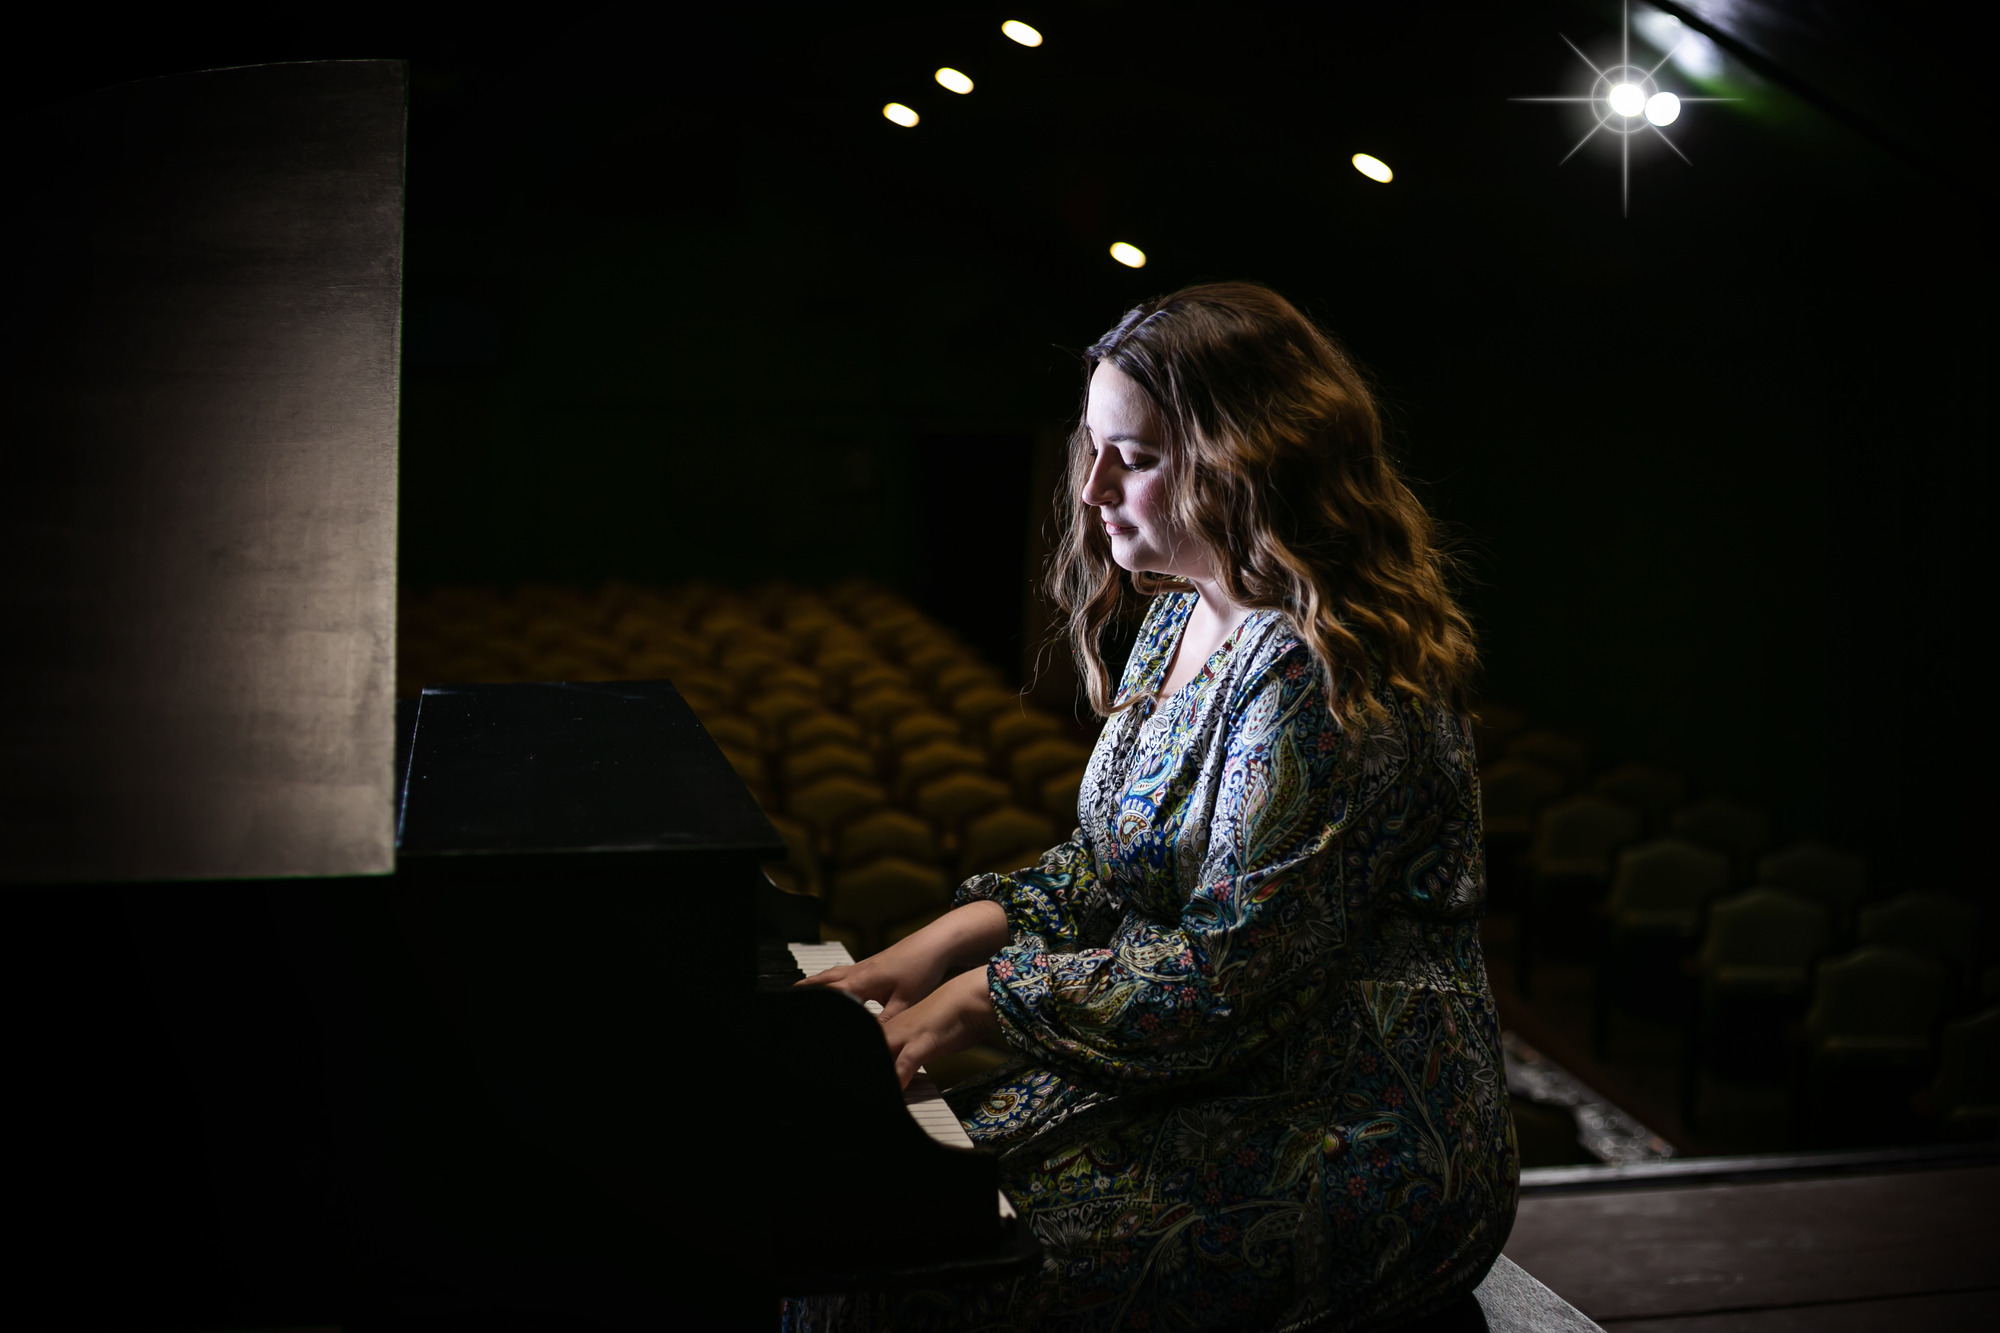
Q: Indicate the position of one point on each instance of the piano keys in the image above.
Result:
(926, 1104)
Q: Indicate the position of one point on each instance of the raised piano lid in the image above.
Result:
(561, 768)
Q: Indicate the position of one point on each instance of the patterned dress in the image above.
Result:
(1258, 1081)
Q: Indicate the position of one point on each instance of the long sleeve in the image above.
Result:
(1171, 1000)
(1049, 900)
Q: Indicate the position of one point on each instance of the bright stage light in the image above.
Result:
(1021, 32)
(1131, 256)
(1374, 168)
(901, 114)
(953, 80)
(1620, 96)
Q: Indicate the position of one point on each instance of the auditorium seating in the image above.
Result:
(1738, 830)
(1963, 1102)
(1006, 838)
(1492, 726)
(801, 768)
(1653, 919)
(1013, 728)
(871, 898)
(886, 832)
(800, 870)
(1553, 750)
(917, 768)
(1734, 952)
(1512, 793)
(950, 801)
(1752, 979)
(1058, 796)
(1035, 763)
(1869, 1037)
(892, 758)
(1930, 924)
(1812, 869)
(911, 730)
(1648, 788)
(1569, 863)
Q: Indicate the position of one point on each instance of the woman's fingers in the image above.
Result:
(906, 1048)
(863, 983)
(854, 978)
(907, 1065)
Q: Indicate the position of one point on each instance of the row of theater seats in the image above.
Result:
(895, 761)
(1777, 960)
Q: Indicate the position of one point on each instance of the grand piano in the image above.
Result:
(476, 1013)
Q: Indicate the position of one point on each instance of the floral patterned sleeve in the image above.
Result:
(1176, 999)
(1046, 900)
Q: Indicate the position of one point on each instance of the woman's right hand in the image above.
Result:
(896, 978)
(909, 970)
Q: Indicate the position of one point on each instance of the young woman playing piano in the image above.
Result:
(1258, 1081)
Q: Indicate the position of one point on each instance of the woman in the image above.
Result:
(1259, 1079)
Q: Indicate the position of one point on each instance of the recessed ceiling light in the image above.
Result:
(901, 114)
(1021, 32)
(1131, 256)
(952, 79)
(1374, 168)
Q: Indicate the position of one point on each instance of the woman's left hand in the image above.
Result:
(956, 1015)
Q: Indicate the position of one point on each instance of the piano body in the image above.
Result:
(572, 857)
(487, 1023)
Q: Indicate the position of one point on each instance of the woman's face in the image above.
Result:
(1127, 483)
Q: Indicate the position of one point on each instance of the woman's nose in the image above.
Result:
(1097, 485)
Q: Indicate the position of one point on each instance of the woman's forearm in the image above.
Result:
(976, 932)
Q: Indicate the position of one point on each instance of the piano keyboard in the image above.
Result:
(927, 1105)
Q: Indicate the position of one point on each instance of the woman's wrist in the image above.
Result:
(975, 1004)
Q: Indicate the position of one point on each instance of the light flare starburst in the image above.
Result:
(1626, 99)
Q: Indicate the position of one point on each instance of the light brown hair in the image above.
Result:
(1276, 463)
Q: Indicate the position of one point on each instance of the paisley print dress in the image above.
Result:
(1258, 1080)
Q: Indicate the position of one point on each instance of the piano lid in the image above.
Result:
(621, 766)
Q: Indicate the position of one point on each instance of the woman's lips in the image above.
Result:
(1119, 529)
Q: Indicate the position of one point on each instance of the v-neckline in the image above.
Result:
(1160, 703)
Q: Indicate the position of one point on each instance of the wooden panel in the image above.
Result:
(1636, 1254)
(198, 530)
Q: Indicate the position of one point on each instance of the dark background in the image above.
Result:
(680, 303)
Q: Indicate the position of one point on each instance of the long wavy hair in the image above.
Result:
(1275, 462)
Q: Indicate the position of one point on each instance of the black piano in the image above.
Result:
(472, 1013)
(578, 864)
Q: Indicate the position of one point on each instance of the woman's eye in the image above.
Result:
(1139, 464)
